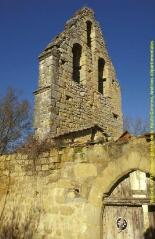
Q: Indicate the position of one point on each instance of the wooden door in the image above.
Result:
(133, 215)
(123, 215)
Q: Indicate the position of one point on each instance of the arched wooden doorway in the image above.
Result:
(127, 213)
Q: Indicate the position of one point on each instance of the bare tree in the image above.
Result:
(15, 120)
(135, 126)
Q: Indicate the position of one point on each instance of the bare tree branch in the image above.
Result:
(135, 126)
(15, 120)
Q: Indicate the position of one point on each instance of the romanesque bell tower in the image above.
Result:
(77, 82)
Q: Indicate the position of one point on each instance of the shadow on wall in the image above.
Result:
(16, 228)
(150, 233)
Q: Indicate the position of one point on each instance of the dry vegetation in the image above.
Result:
(15, 121)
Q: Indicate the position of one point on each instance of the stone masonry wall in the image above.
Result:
(63, 105)
(59, 194)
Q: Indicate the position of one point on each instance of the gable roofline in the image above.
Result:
(84, 10)
(82, 130)
(58, 39)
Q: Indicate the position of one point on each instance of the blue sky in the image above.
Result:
(27, 26)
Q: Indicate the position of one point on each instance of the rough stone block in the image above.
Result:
(85, 170)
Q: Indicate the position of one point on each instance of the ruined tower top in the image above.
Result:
(71, 23)
(77, 82)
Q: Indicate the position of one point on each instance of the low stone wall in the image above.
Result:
(59, 194)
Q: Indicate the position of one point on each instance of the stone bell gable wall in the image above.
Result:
(68, 99)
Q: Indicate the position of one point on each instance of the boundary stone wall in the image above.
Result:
(59, 195)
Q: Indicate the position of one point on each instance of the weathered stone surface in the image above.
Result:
(59, 194)
(66, 202)
(85, 170)
(63, 105)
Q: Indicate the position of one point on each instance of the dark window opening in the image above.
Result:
(89, 27)
(115, 116)
(101, 80)
(100, 86)
(77, 50)
(68, 97)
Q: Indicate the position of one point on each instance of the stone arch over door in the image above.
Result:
(127, 212)
(111, 175)
(115, 171)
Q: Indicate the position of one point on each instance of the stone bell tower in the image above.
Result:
(77, 82)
